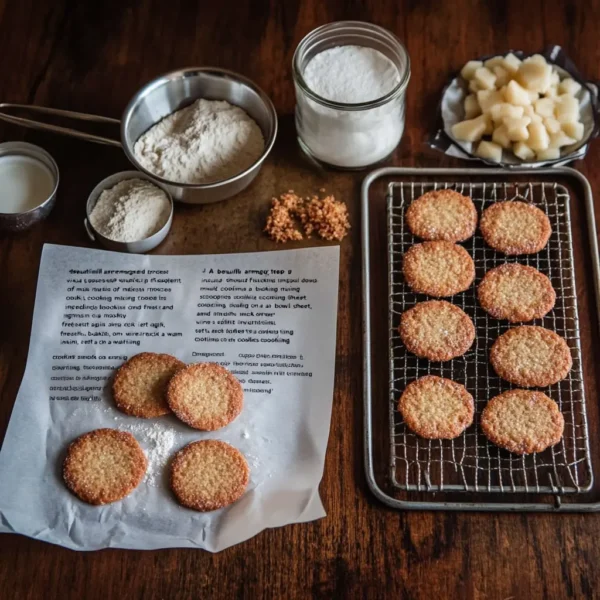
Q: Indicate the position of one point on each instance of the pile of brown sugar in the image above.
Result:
(293, 218)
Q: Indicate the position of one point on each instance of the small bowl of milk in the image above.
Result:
(28, 183)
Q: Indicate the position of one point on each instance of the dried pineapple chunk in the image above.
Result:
(473, 86)
(470, 130)
(490, 63)
(560, 139)
(489, 98)
(536, 58)
(485, 79)
(566, 109)
(569, 86)
(500, 137)
(528, 111)
(548, 154)
(502, 75)
(573, 130)
(544, 107)
(523, 151)
(515, 94)
(534, 76)
(468, 71)
(472, 108)
(490, 151)
(511, 63)
(552, 125)
(500, 111)
(538, 137)
(516, 129)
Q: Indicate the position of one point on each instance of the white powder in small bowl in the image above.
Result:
(130, 211)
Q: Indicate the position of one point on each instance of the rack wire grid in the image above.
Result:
(470, 462)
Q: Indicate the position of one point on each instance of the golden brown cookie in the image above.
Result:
(442, 215)
(436, 330)
(104, 465)
(516, 292)
(522, 421)
(531, 356)
(515, 227)
(436, 408)
(140, 385)
(206, 396)
(438, 268)
(208, 475)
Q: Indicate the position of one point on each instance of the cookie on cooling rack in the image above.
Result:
(208, 475)
(442, 215)
(438, 269)
(104, 466)
(436, 330)
(140, 384)
(522, 421)
(206, 396)
(515, 227)
(531, 356)
(436, 408)
(515, 292)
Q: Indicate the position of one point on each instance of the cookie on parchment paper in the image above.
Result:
(436, 330)
(206, 396)
(515, 227)
(515, 292)
(531, 356)
(522, 421)
(208, 475)
(436, 408)
(140, 384)
(438, 268)
(442, 215)
(104, 466)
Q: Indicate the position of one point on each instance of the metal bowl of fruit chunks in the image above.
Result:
(520, 110)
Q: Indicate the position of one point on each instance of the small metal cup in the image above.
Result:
(21, 221)
(138, 247)
(161, 97)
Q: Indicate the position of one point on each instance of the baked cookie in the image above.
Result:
(516, 292)
(140, 385)
(208, 475)
(531, 356)
(442, 215)
(522, 421)
(206, 396)
(436, 330)
(436, 408)
(438, 268)
(104, 465)
(515, 227)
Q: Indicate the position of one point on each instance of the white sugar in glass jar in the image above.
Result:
(350, 80)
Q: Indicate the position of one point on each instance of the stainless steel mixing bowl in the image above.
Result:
(160, 98)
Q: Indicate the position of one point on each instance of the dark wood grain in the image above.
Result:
(91, 57)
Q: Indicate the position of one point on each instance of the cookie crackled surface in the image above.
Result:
(531, 356)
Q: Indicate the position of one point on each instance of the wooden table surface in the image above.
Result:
(92, 57)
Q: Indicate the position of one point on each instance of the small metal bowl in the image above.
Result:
(24, 220)
(174, 91)
(138, 247)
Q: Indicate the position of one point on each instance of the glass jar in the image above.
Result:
(350, 136)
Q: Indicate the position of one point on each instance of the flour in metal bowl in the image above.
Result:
(131, 210)
(208, 141)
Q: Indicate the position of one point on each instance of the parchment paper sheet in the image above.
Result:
(283, 434)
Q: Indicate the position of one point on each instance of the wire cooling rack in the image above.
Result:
(470, 462)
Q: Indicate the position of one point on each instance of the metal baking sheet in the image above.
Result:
(470, 463)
